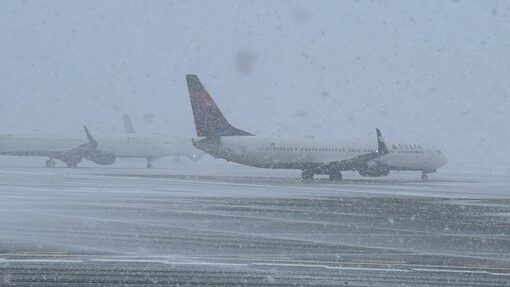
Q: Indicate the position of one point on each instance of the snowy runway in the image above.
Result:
(226, 225)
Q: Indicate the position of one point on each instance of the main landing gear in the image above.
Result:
(335, 175)
(50, 163)
(149, 163)
(307, 174)
(424, 177)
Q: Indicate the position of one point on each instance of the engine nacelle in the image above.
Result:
(101, 157)
(374, 168)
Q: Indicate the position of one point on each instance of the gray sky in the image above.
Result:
(428, 71)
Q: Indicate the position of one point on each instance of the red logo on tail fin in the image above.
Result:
(209, 121)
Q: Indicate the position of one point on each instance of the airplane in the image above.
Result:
(217, 137)
(64, 147)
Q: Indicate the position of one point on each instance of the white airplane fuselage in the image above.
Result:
(301, 154)
(122, 145)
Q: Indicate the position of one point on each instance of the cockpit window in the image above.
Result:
(438, 151)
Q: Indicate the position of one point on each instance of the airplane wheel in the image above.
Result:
(424, 177)
(149, 164)
(72, 165)
(307, 175)
(50, 163)
(335, 175)
(195, 158)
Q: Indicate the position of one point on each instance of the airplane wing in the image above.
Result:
(353, 163)
(74, 156)
(96, 155)
(361, 160)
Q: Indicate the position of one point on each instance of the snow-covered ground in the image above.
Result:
(218, 222)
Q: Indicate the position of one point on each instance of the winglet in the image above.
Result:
(128, 126)
(89, 136)
(381, 146)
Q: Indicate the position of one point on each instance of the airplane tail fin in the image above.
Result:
(209, 121)
(381, 145)
(128, 126)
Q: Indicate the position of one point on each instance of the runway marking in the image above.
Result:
(378, 266)
(167, 262)
(2, 260)
(460, 271)
(332, 267)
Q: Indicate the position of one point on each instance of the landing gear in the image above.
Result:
(149, 163)
(72, 164)
(195, 158)
(335, 175)
(50, 163)
(307, 174)
(424, 177)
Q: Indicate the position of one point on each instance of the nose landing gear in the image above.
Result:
(149, 163)
(50, 163)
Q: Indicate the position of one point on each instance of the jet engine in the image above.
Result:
(101, 157)
(374, 168)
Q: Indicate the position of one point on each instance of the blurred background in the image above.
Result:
(423, 71)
